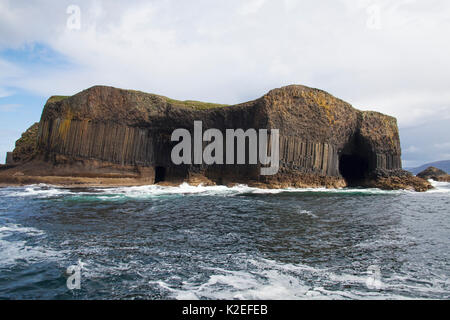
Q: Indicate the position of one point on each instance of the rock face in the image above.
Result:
(107, 132)
(435, 174)
(9, 158)
(26, 145)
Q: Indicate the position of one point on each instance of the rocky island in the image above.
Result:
(104, 136)
(434, 174)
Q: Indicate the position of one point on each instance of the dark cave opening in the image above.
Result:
(353, 168)
(160, 174)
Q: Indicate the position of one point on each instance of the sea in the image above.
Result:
(218, 242)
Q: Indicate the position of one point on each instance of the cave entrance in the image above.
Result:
(160, 174)
(353, 168)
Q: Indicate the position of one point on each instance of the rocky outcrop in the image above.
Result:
(434, 174)
(103, 132)
(396, 179)
(9, 158)
(25, 146)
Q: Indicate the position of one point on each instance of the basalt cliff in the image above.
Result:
(110, 136)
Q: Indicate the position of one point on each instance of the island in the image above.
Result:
(105, 136)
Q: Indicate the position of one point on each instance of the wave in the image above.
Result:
(184, 189)
(12, 251)
(41, 191)
(439, 187)
(265, 279)
(35, 191)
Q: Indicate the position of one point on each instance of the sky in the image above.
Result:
(391, 56)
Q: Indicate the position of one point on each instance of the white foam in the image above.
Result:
(439, 186)
(142, 192)
(267, 279)
(113, 194)
(37, 191)
(9, 229)
(306, 213)
(182, 189)
(201, 190)
(13, 250)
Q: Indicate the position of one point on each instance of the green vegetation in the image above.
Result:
(56, 98)
(198, 105)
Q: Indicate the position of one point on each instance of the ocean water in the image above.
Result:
(188, 242)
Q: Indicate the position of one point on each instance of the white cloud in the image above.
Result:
(444, 156)
(250, 7)
(411, 108)
(444, 145)
(9, 107)
(229, 51)
(411, 163)
(8, 71)
(411, 149)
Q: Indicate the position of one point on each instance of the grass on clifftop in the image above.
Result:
(196, 104)
(56, 98)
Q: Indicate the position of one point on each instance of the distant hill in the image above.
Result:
(443, 165)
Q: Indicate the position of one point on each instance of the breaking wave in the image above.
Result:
(271, 280)
(13, 250)
(439, 187)
(42, 191)
(35, 191)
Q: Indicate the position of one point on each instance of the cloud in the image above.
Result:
(411, 108)
(9, 107)
(411, 163)
(444, 156)
(177, 49)
(5, 93)
(411, 149)
(8, 73)
(233, 51)
(250, 7)
(445, 145)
